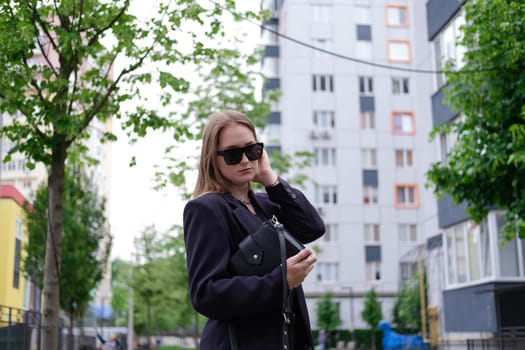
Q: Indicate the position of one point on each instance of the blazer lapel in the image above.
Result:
(244, 220)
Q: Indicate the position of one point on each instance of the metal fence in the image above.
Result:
(509, 338)
(22, 330)
(19, 329)
(506, 339)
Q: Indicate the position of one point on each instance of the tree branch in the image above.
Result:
(99, 103)
(56, 9)
(80, 14)
(99, 32)
(37, 20)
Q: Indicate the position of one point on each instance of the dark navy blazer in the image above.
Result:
(214, 224)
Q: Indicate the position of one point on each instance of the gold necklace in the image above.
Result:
(243, 201)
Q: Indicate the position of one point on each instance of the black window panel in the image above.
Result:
(370, 177)
(364, 32)
(16, 272)
(373, 253)
(367, 103)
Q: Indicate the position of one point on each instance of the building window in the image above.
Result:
(404, 158)
(16, 165)
(373, 271)
(446, 143)
(324, 119)
(372, 233)
(403, 122)
(448, 140)
(363, 49)
(331, 233)
(323, 44)
(368, 120)
(325, 156)
(406, 196)
(369, 158)
(469, 251)
(323, 82)
(327, 272)
(326, 194)
(366, 86)
(407, 233)
(400, 86)
(18, 252)
(399, 51)
(320, 13)
(370, 195)
(509, 254)
(397, 16)
(363, 15)
(407, 270)
(447, 48)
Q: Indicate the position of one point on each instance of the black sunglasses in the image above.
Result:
(234, 155)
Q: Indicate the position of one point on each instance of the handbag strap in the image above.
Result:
(286, 305)
(232, 334)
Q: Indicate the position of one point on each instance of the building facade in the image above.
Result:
(482, 284)
(365, 115)
(15, 290)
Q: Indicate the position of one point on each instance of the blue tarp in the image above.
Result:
(395, 341)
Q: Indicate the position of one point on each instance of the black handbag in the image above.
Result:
(258, 254)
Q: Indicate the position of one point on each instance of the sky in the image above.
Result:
(134, 204)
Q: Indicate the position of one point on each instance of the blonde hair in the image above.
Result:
(209, 178)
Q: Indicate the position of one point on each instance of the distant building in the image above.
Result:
(15, 290)
(368, 129)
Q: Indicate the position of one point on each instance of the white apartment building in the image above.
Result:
(366, 116)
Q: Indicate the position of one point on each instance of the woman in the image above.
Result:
(112, 344)
(223, 212)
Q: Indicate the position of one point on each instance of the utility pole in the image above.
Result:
(351, 325)
(130, 319)
(422, 294)
(1, 145)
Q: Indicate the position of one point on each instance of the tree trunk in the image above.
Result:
(149, 324)
(70, 335)
(51, 302)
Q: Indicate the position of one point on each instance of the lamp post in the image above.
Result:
(351, 325)
(130, 319)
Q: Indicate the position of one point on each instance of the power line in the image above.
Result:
(352, 59)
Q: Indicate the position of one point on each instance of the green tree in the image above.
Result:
(486, 166)
(120, 290)
(83, 261)
(75, 81)
(160, 282)
(372, 314)
(145, 280)
(406, 314)
(327, 313)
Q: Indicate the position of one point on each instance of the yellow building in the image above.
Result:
(13, 235)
